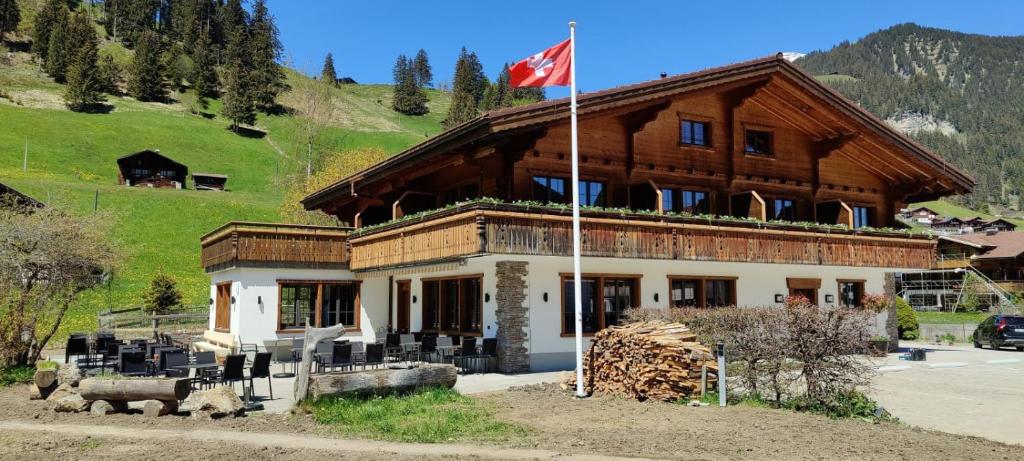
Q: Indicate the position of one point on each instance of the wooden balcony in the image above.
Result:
(480, 229)
(244, 244)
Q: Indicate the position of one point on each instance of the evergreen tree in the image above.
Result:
(204, 75)
(10, 16)
(229, 17)
(109, 75)
(43, 27)
(146, 75)
(421, 67)
(501, 94)
(59, 53)
(265, 49)
(467, 89)
(163, 294)
(327, 74)
(84, 88)
(239, 105)
(409, 97)
(137, 17)
(177, 66)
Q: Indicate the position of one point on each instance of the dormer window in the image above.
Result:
(758, 142)
(695, 133)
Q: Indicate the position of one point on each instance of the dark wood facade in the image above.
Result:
(773, 144)
(9, 197)
(242, 244)
(209, 181)
(151, 169)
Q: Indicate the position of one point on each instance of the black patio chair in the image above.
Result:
(205, 376)
(465, 353)
(374, 355)
(261, 369)
(109, 354)
(445, 350)
(171, 359)
(234, 371)
(456, 340)
(428, 347)
(488, 351)
(417, 336)
(324, 351)
(132, 362)
(77, 346)
(393, 343)
(341, 356)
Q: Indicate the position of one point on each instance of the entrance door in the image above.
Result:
(404, 293)
(222, 322)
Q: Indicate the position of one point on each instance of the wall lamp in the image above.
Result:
(487, 297)
(414, 299)
(830, 298)
(655, 297)
(545, 296)
(780, 298)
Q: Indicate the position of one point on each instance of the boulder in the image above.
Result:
(103, 407)
(70, 374)
(34, 393)
(62, 391)
(72, 403)
(154, 408)
(213, 403)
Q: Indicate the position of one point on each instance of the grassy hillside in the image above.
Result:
(949, 209)
(72, 156)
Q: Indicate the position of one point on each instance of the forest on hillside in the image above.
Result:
(973, 82)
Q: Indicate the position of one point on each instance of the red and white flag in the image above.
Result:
(547, 68)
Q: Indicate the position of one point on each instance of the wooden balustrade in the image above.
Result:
(274, 245)
(495, 231)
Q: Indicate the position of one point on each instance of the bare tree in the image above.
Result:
(47, 258)
(316, 110)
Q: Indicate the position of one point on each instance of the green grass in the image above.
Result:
(427, 416)
(16, 375)
(951, 318)
(72, 158)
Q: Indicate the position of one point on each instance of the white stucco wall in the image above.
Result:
(756, 285)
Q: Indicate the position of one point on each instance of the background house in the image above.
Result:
(209, 181)
(152, 169)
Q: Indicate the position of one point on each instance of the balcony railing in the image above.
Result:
(243, 244)
(478, 229)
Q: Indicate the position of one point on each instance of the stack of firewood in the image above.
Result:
(648, 360)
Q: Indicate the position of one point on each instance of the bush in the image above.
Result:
(16, 375)
(781, 354)
(163, 295)
(846, 405)
(906, 320)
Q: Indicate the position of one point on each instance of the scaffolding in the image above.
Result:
(949, 289)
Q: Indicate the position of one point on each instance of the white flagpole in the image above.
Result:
(577, 285)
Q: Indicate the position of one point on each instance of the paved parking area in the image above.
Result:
(958, 389)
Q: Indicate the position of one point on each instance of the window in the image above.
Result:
(296, 305)
(783, 209)
(325, 303)
(851, 292)
(702, 291)
(168, 174)
(862, 216)
(694, 202)
(604, 301)
(695, 133)
(550, 190)
(453, 305)
(758, 142)
(140, 172)
(591, 193)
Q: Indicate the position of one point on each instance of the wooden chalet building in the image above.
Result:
(209, 181)
(736, 185)
(149, 168)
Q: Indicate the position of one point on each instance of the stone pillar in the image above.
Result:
(891, 321)
(513, 316)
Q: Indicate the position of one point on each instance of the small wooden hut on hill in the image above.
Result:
(209, 181)
(150, 168)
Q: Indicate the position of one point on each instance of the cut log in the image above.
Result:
(154, 408)
(383, 381)
(650, 360)
(134, 389)
(45, 378)
(103, 407)
(312, 337)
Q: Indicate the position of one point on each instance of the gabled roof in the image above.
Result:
(211, 175)
(19, 198)
(523, 117)
(999, 245)
(952, 221)
(120, 160)
(920, 208)
(998, 220)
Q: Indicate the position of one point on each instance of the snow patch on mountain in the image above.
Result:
(792, 55)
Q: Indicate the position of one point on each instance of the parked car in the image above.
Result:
(1000, 331)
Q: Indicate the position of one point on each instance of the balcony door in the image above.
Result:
(402, 306)
(222, 314)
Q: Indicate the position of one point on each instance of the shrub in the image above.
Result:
(162, 295)
(906, 320)
(16, 375)
(875, 302)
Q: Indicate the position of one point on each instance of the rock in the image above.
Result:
(103, 407)
(154, 408)
(71, 403)
(213, 403)
(69, 373)
(62, 391)
(34, 393)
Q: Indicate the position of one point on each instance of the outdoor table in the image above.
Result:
(200, 368)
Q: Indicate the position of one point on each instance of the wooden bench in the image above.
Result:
(221, 344)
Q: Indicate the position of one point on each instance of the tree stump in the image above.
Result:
(45, 378)
(135, 389)
(383, 381)
(155, 408)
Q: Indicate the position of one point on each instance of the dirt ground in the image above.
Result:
(558, 425)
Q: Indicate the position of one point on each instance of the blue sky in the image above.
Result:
(618, 42)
